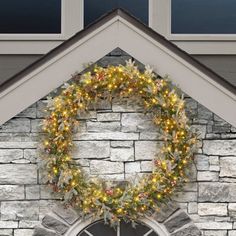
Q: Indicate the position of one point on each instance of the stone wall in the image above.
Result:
(116, 142)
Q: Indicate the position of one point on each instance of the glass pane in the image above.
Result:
(30, 16)
(203, 16)
(93, 9)
(98, 229)
(139, 230)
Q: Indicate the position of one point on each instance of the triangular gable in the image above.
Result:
(118, 29)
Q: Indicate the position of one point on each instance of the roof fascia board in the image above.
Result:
(54, 72)
(191, 80)
(175, 56)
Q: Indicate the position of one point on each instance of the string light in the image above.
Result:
(169, 172)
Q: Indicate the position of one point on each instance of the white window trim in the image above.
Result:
(68, 24)
(192, 43)
(71, 22)
(159, 20)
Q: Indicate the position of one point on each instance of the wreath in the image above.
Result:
(170, 166)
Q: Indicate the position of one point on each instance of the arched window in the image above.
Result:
(145, 227)
(98, 228)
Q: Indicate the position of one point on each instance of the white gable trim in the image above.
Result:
(117, 32)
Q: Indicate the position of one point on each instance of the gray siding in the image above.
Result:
(11, 64)
(224, 65)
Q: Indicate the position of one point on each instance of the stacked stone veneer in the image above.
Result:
(116, 142)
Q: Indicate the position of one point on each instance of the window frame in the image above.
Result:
(149, 221)
(214, 37)
(197, 44)
(68, 24)
(188, 37)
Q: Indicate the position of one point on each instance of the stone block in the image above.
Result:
(31, 155)
(108, 116)
(88, 115)
(82, 162)
(16, 145)
(190, 230)
(101, 104)
(166, 210)
(11, 192)
(212, 225)
(122, 154)
(212, 209)
(46, 206)
(54, 224)
(232, 210)
(9, 224)
(220, 129)
(214, 168)
(41, 109)
(215, 233)
(217, 192)
(150, 135)
(228, 166)
(118, 52)
(29, 112)
(68, 214)
(219, 147)
(20, 210)
(177, 221)
(126, 105)
(106, 167)
(200, 130)
(32, 192)
(190, 187)
(103, 126)
(146, 166)
(18, 174)
(10, 155)
(232, 233)
(146, 150)
(6, 232)
(107, 136)
(202, 162)
(16, 125)
(185, 197)
(207, 176)
(113, 60)
(133, 122)
(233, 129)
(28, 224)
(40, 231)
(192, 207)
(46, 192)
(122, 144)
(132, 167)
(92, 149)
(36, 125)
(204, 113)
(191, 108)
(111, 177)
(23, 232)
(214, 160)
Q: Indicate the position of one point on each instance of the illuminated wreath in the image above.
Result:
(129, 201)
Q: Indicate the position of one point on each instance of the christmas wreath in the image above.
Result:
(171, 163)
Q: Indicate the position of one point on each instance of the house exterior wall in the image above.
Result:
(209, 198)
(224, 65)
(12, 64)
